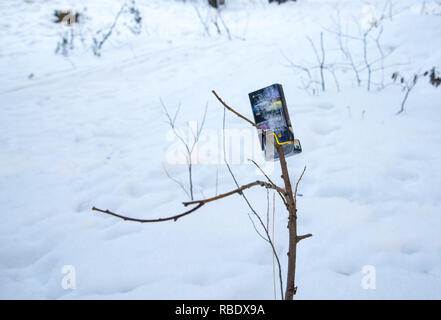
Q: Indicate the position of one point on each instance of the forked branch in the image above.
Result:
(238, 190)
(198, 203)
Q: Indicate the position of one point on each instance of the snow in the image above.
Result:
(85, 131)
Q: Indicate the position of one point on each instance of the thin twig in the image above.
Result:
(189, 145)
(174, 218)
(274, 240)
(235, 112)
(235, 181)
(227, 194)
(98, 45)
(204, 23)
(224, 24)
(297, 184)
(280, 191)
(179, 183)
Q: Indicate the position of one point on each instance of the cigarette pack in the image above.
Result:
(271, 115)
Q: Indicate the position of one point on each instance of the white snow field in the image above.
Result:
(83, 131)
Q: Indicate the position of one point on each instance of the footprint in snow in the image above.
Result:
(409, 249)
(325, 106)
(324, 129)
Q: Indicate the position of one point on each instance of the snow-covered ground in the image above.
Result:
(83, 131)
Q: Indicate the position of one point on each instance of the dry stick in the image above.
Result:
(267, 209)
(175, 218)
(292, 65)
(299, 238)
(179, 183)
(291, 206)
(199, 203)
(195, 141)
(298, 181)
(217, 178)
(237, 113)
(320, 61)
(380, 50)
(238, 190)
(368, 65)
(408, 89)
(171, 122)
(204, 24)
(408, 85)
(353, 66)
(346, 51)
(225, 25)
(280, 191)
(99, 44)
(365, 57)
(323, 59)
(217, 26)
(189, 147)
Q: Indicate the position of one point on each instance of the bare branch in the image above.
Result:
(280, 191)
(189, 145)
(238, 190)
(204, 23)
(171, 122)
(320, 60)
(174, 218)
(267, 208)
(235, 112)
(200, 128)
(224, 24)
(98, 44)
(179, 183)
(297, 184)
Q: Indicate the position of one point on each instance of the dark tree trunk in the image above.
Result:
(216, 3)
